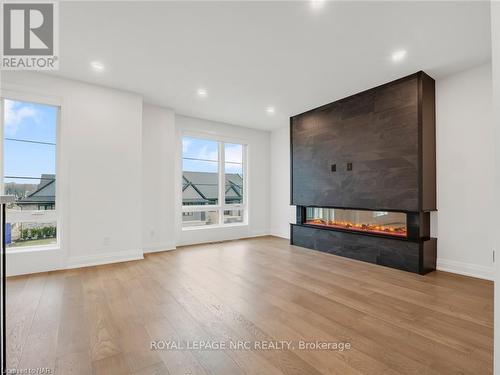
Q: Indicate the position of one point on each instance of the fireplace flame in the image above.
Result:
(392, 230)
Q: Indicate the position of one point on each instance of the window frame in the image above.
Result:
(221, 206)
(36, 215)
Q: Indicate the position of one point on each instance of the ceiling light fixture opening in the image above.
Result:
(97, 66)
(202, 93)
(317, 4)
(398, 55)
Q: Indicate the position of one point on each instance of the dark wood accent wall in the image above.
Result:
(373, 150)
(427, 99)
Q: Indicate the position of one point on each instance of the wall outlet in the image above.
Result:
(152, 233)
(493, 256)
(106, 241)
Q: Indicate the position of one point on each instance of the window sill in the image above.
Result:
(31, 249)
(218, 226)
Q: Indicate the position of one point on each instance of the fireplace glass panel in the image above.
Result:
(376, 222)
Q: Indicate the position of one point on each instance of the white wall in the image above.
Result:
(99, 176)
(258, 169)
(158, 177)
(282, 214)
(119, 175)
(465, 178)
(495, 59)
(465, 154)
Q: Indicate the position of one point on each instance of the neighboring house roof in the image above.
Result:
(201, 187)
(197, 187)
(45, 192)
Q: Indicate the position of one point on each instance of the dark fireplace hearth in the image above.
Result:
(363, 175)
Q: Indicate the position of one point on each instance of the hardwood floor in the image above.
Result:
(102, 320)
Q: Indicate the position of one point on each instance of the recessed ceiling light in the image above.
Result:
(398, 55)
(97, 66)
(270, 110)
(202, 93)
(317, 4)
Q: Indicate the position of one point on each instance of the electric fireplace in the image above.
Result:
(365, 221)
(363, 175)
(409, 226)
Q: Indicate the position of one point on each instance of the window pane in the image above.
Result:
(234, 188)
(32, 194)
(30, 234)
(29, 161)
(200, 171)
(24, 159)
(233, 169)
(30, 121)
(202, 149)
(197, 166)
(199, 218)
(233, 153)
(233, 216)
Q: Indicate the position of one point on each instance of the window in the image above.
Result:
(213, 183)
(29, 133)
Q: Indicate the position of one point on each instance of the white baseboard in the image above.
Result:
(281, 231)
(467, 269)
(105, 258)
(281, 235)
(257, 234)
(155, 248)
(223, 239)
(23, 266)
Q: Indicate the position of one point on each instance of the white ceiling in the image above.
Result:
(250, 55)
